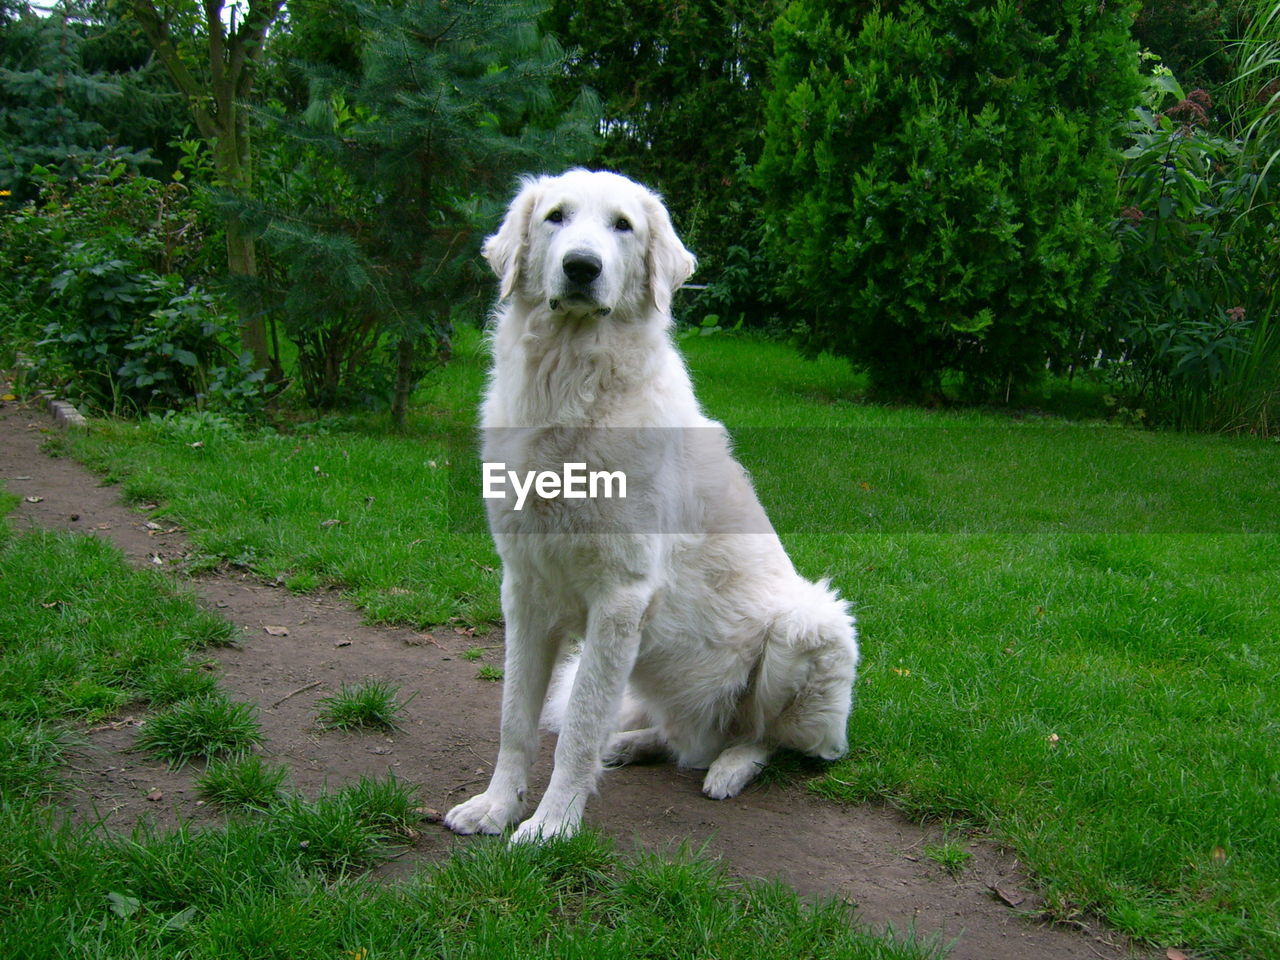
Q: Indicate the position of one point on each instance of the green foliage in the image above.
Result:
(99, 276)
(1191, 37)
(52, 105)
(682, 93)
(938, 179)
(1195, 288)
(377, 195)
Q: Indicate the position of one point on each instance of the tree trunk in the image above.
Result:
(215, 106)
(242, 256)
(404, 381)
(242, 265)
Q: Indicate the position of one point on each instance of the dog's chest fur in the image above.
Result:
(603, 393)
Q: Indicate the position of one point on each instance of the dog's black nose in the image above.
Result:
(581, 266)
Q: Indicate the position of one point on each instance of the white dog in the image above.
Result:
(697, 635)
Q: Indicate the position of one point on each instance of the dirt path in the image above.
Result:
(866, 855)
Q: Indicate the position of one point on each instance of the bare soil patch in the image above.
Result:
(867, 855)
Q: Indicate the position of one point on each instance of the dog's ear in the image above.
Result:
(505, 249)
(669, 263)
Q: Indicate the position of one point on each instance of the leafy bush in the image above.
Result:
(102, 279)
(133, 340)
(1191, 36)
(1194, 291)
(938, 180)
(742, 292)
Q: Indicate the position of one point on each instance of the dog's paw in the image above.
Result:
(633, 746)
(537, 829)
(484, 814)
(732, 771)
(622, 750)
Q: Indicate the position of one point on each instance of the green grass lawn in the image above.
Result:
(82, 634)
(1069, 629)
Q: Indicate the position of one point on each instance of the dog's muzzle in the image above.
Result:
(580, 268)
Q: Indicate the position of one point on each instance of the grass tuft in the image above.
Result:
(200, 729)
(951, 855)
(242, 781)
(370, 705)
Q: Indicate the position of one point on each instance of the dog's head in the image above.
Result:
(589, 243)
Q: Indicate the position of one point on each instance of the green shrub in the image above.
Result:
(102, 277)
(1194, 291)
(939, 178)
(131, 340)
(1191, 36)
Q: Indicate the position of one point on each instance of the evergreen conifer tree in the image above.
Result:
(376, 217)
(49, 101)
(682, 89)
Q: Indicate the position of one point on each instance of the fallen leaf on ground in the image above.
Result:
(1174, 954)
(1007, 897)
(123, 905)
(277, 631)
(155, 795)
(34, 499)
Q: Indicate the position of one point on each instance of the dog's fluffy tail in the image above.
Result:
(814, 616)
(808, 670)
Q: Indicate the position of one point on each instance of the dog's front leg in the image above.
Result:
(608, 654)
(530, 655)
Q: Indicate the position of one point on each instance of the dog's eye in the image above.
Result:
(622, 225)
(555, 216)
